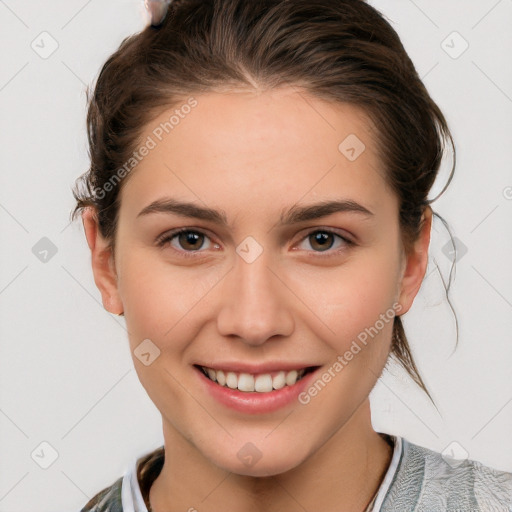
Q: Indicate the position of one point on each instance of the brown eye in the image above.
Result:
(185, 242)
(322, 240)
(190, 240)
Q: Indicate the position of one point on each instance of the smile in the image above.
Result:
(261, 383)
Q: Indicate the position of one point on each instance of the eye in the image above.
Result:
(323, 240)
(189, 240)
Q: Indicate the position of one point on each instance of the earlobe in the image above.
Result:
(416, 264)
(103, 269)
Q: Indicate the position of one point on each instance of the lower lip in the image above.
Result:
(255, 402)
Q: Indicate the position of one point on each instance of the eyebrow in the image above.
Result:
(295, 215)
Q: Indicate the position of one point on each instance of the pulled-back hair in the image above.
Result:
(337, 50)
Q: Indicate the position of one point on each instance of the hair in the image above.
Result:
(342, 51)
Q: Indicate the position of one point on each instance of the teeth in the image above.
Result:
(262, 383)
(231, 380)
(246, 382)
(221, 378)
(291, 378)
(279, 381)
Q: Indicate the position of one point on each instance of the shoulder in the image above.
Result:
(107, 500)
(426, 480)
(137, 480)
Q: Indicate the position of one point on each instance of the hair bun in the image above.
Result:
(157, 9)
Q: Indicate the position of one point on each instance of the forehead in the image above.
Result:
(257, 149)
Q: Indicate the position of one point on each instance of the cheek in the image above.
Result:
(353, 299)
(158, 301)
(163, 302)
(155, 296)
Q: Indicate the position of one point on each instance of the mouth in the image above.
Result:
(260, 383)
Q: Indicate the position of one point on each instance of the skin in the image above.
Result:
(253, 155)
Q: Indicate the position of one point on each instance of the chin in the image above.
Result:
(251, 461)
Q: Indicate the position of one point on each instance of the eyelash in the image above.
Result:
(168, 237)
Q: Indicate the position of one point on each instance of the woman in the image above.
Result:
(257, 208)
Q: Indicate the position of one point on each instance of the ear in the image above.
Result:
(415, 264)
(102, 262)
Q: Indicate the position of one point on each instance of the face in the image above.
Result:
(268, 290)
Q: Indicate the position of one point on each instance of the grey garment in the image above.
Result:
(423, 482)
(107, 500)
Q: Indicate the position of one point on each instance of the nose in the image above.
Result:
(255, 302)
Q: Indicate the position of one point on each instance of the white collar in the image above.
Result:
(390, 473)
(131, 495)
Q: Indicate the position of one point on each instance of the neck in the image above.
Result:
(343, 475)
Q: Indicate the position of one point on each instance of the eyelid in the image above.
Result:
(335, 231)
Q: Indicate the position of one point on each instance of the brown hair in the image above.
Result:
(336, 50)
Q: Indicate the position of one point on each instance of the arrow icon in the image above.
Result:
(249, 454)
(454, 45)
(249, 249)
(44, 250)
(44, 455)
(146, 352)
(351, 147)
(44, 44)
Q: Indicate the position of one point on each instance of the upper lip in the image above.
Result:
(240, 367)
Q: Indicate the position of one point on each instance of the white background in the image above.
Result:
(66, 375)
